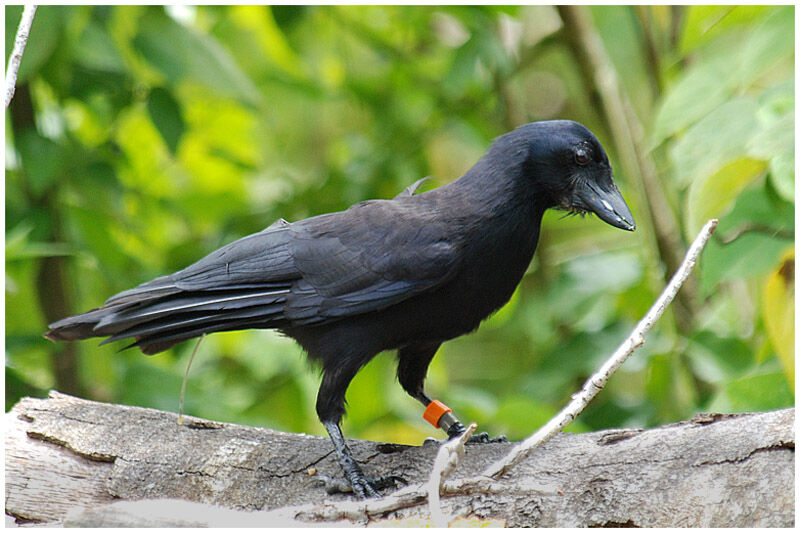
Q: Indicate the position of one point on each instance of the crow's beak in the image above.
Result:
(608, 205)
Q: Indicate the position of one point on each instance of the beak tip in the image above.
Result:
(608, 205)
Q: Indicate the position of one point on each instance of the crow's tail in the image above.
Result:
(158, 316)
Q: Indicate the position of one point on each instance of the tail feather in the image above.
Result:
(168, 315)
(158, 343)
(160, 287)
(180, 322)
(204, 301)
(78, 326)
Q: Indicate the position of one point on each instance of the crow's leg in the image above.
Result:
(412, 366)
(358, 482)
(330, 409)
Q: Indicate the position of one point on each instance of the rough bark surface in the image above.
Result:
(77, 462)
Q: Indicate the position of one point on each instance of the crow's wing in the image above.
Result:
(313, 271)
(253, 261)
(374, 255)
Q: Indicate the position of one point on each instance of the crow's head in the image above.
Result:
(571, 168)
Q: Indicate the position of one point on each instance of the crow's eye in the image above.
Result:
(582, 155)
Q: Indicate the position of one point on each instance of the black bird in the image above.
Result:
(406, 274)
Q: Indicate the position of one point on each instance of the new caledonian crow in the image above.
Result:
(407, 273)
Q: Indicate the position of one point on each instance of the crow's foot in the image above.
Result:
(482, 437)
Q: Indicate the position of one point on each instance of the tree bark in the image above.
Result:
(75, 462)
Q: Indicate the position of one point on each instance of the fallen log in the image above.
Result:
(76, 462)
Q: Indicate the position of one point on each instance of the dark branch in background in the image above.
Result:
(647, 29)
(54, 296)
(628, 137)
(676, 22)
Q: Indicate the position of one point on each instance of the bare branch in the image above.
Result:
(358, 511)
(598, 380)
(450, 453)
(14, 61)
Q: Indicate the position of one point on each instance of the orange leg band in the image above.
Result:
(435, 410)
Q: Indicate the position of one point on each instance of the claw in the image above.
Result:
(359, 484)
(365, 487)
(484, 437)
(332, 485)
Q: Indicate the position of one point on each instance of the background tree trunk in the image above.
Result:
(75, 462)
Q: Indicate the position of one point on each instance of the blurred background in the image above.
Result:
(142, 138)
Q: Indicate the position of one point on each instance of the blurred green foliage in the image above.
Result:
(142, 138)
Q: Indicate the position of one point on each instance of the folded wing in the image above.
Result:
(314, 271)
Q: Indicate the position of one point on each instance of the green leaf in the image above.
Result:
(715, 359)
(757, 208)
(778, 302)
(96, 230)
(153, 42)
(372, 382)
(703, 23)
(96, 50)
(43, 160)
(17, 236)
(751, 254)
(781, 173)
(733, 63)
(711, 198)
(179, 53)
(759, 392)
(38, 250)
(260, 21)
(775, 140)
(776, 120)
(670, 387)
(606, 273)
(770, 42)
(146, 383)
(715, 140)
(520, 416)
(681, 107)
(165, 112)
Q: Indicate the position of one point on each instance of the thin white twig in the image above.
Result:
(598, 380)
(450, 453)
(23, 30)
(357, 511)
